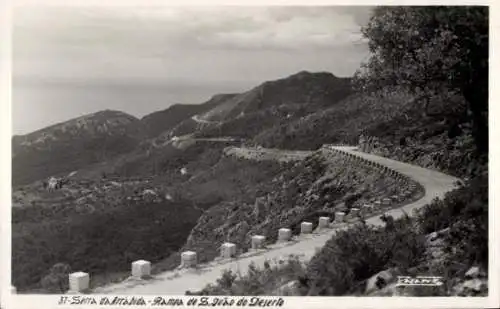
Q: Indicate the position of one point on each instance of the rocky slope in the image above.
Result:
(302, 191)
(446, 239)
(442, 141)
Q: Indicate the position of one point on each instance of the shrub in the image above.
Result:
(57, 279)
(257, 281)
(354, 255)
(465, 212)
(226, 280)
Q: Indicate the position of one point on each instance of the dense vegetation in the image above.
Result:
(117, 224)
(436, 54)
(341, 123)
(258, 281)
(430, 49)
(339, 267)
(394, 117)
(348, 260)
(103, 241)
(434, 61)
(423, 92)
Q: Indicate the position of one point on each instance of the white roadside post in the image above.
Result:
(188, 259)
(258, 242)
(141, 269)
(339, 217)
(79, 282)
(306, 228)
(323, 222)
(228, 250)
(284, 235)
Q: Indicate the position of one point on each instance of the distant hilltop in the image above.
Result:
(97, 137)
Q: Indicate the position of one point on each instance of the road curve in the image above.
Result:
(199, 120)
(435, 183)
(177, 282)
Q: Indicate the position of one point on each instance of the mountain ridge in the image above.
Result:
(103, 135)
(297, 88)
(212, 102)
(73, 144)
(108, 112)
(114, 191)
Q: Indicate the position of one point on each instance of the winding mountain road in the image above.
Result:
(177, 282)
(199, 120)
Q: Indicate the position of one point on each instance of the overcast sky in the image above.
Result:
(69, 61)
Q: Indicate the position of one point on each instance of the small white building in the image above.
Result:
(149, 192)
(52, 183)
(183, 171)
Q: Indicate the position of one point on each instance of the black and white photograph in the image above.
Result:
(266, 151)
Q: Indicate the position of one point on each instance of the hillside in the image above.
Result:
(340, 123)
(423, 99)
(92, 139)
(161, 121)
(158, 122)
(266, 105)
(217, 194)
(311, 89)
(286, 100)
(191, 196)
(74, 144)
(160, 206)
(447, 237)
(396, 125)
(317, 186)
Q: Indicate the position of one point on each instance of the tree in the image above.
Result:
(430, 49)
